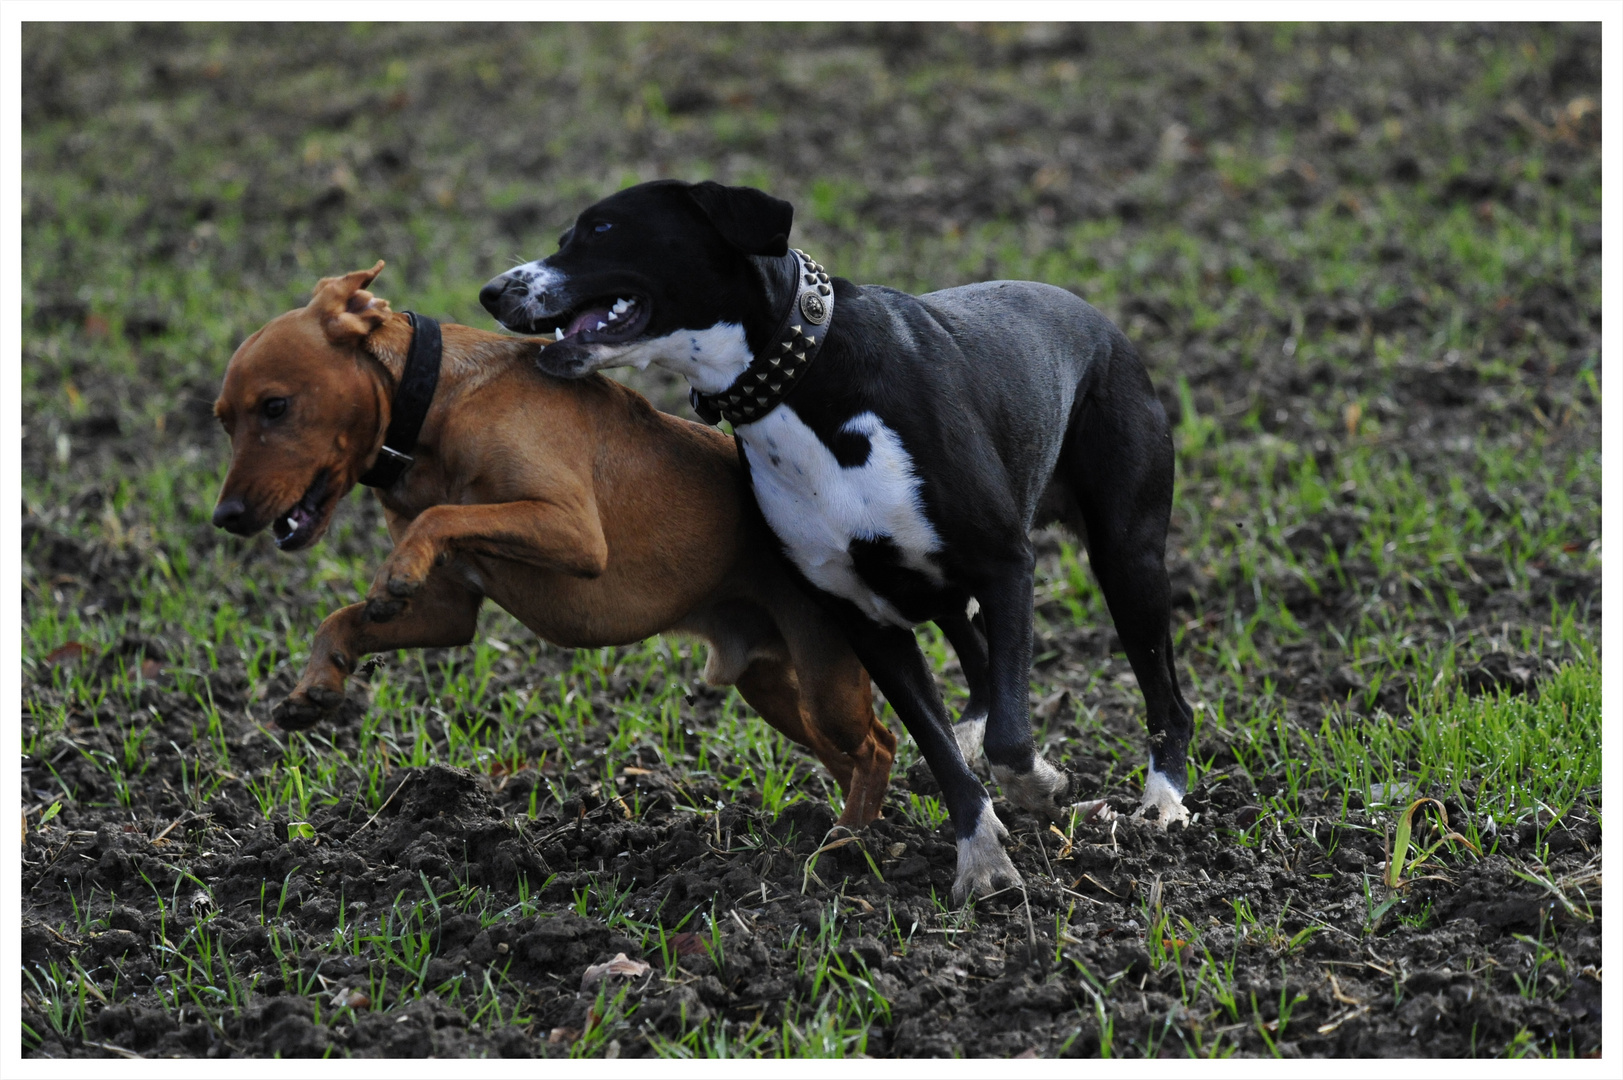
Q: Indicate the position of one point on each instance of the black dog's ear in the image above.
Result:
(750, 220)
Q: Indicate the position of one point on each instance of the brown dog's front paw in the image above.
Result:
(404, 586)
(404, 571)
(384, 610)
(391, 591)
(303, 709)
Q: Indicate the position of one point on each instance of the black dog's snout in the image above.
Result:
(490, 297)
(232, 516)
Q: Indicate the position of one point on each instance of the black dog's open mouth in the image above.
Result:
(603, 322)
(297, 527)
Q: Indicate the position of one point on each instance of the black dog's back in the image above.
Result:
(988, 376)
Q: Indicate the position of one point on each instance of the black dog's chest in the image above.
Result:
(848, 509)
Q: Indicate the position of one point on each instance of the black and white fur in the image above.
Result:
(905, 471)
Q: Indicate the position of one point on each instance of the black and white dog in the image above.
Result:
(901, 448)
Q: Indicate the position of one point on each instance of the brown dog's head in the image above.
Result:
(303, 407)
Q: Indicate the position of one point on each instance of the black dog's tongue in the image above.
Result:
(590, 319)
(606, 321)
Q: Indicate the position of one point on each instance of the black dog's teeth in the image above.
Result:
(620, 309)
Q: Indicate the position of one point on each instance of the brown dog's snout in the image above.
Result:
(231, 514)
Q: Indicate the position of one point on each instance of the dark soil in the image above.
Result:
(1499, 966)
(993, 989)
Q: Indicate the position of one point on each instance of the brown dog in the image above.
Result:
(591, 517)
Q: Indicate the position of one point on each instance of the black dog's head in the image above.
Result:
(643, 270)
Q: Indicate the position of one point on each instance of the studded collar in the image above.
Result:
(789, 354)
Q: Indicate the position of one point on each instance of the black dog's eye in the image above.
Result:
(602, 227)
(274, 407)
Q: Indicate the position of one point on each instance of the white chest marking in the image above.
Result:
(817, 506)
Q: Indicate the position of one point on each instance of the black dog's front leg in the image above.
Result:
(891, 655)
(1029, 782)
(967, 635)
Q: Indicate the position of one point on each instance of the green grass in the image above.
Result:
(160, 231)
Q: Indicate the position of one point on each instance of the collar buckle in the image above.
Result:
(394, 457)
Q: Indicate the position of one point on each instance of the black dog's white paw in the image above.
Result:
(1044, 791)
(970, 734)
(1163, 798)
(983, 866)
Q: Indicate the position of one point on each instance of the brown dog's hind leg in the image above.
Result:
(823, 699)
(837, 697)
(835, 705)
(771, 688)
(443, 614)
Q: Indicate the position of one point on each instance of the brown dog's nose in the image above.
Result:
(232, 516)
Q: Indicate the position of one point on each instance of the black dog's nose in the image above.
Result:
(490, 297)
(232, 515)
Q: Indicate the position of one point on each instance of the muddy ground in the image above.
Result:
(1497, 964)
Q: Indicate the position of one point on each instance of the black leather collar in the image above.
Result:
(789, 354)
(411, 400)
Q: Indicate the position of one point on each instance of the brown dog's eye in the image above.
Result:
(274, 407)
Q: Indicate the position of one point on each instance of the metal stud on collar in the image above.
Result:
(770, 378)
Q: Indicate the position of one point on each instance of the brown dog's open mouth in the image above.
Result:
(299, 524)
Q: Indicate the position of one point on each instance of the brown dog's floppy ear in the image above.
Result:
(750, 220)
(347, 311)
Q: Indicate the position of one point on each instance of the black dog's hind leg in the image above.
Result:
(967, 636)
(1119, 465)
(891, 655)
(1027, 780)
